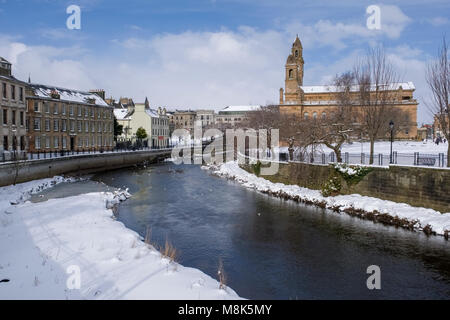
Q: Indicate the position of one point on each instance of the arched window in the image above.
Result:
(306, 115)
(315, 115)
(324, 115)
(296, 53)
(291, 73)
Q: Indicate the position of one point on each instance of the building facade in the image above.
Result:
(206, 117)
(183, 119)
(13, 134)
(133, 116)
(234, 116)
(68, 120)
(320, 101)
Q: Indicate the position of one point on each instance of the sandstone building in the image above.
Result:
(68, 120)
(13, 142)
(311, 102)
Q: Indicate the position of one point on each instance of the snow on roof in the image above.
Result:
(323, 89)
(241, 108)
(152, 113)
(120, 114)
(70, 95)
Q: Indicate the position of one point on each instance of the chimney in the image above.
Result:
(100, 92)
(5, 68)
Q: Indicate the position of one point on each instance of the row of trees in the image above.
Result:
(364, 107)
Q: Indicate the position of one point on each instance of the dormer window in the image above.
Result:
(55, 94)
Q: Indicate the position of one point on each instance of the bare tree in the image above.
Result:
(438, 78)
(267, 118)
(375, 80)
(335, 128)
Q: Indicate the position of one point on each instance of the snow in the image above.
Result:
(321, 89)
(121, 114)
(69, 95)
(409, 147)
(421, 216)
(240, 108)
(43, 244)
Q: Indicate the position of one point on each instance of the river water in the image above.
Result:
(272, 248)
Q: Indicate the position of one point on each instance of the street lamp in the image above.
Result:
(391, 125)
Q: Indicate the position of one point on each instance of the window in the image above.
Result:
(37, 124)
(93, 127)
(86, 112)
(71, 110)
(5, 116)
(55, 142)
(36, 106)
(13, 92)
(13, 117)
(291, 73)
(306, 115)
(47, 124)
(5, 142)
(79, 111)
(47, 142)
(314, 115)
(64, 125)
(37, 142)
(79, 126)
(63, 111)
(4, 94)
(55, 108)
(72, 125)
(64, 143)
(324, 115)
(46, 107)
(21, 93)
(86, 126)
(55, 125)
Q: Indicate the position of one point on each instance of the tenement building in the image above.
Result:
(68, 120)
(311, 102)
(13, 142)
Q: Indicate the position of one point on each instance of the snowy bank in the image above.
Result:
(72, 248)
(389, 212)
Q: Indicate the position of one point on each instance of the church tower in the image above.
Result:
(294, 73)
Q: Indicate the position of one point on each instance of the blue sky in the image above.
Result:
(212, 53)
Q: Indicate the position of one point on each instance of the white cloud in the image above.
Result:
(201, 69)
(438, 21)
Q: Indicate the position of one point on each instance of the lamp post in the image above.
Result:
(391, 125)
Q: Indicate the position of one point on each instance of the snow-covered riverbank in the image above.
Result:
(45, 246)
(375, 209)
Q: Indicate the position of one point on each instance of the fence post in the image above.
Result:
(346, 157)
(395, 157)
(380, 159)
(332, 157)
(323, 158)
(363, 158)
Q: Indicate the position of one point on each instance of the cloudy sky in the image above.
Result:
(212, 53)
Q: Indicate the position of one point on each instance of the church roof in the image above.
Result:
(323, 89)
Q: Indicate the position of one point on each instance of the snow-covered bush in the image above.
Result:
(352, 174)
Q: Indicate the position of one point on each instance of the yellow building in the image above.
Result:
(319, 101)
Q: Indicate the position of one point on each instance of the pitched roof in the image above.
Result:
(45, 92)
(324, 89)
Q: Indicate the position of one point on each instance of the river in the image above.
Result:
(272, 248)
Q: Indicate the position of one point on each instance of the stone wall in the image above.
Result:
(417, 186)
(80, 164)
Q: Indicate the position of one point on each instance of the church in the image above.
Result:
(311, 102)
